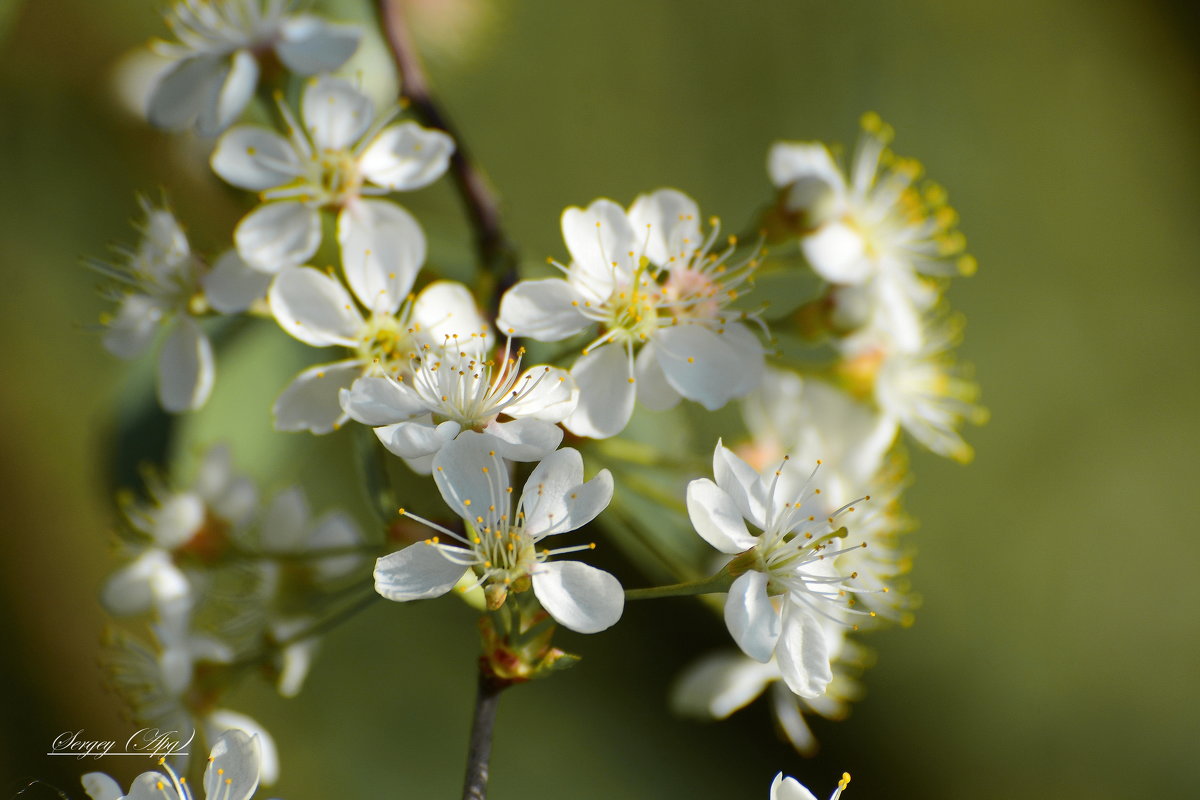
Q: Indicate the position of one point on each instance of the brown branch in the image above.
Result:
(497, 256)
(479, 752)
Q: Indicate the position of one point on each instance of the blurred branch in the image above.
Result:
(497, 256)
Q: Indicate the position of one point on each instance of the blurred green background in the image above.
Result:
(1057, 652)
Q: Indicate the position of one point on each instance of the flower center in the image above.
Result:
(333, 177)
(388, 344)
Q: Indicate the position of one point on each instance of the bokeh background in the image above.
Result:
(1057, 651)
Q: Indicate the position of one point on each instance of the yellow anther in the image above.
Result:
(845, 781)
(467, 502)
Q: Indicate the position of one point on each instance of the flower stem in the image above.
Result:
(479, 750)
(497, 255)
(716, 583)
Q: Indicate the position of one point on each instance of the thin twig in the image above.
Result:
(497, 255)
(487, 698)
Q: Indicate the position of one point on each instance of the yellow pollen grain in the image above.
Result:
(467, 502)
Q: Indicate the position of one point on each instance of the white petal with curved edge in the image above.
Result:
(308, 44)
(129, 332)
(101, 787)
(417, 437)
(606, 393)
(236, 88)
(653, 391)
(803, 653)
(719, 684)
(546, 393)
(181, 93)
(145, 787)
(383, 249)
(233, 767)
(445, 311)
(310, 402)
(278, 235)
(557, 500)
(222, 719)
(525, 439)
(751, 618)
(407, 156)
(791, 720)
(231, 286)
(418, 572)
(473, 478)
(603, 246)
(789, 789)
(578, 596)
(546, 310)
(717, 518)
(314, 307)
(336, 114)
(788, 162)
(133, 588)
(837, 253)
(284, 526)
(669, 222)
(380, 401)
(185, 368)
(739, 481)
(702, 365)
(334, 530)
(296, 659)
(255, 158)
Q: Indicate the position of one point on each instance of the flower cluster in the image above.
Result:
(469, 405)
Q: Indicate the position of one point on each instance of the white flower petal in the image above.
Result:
(309, 45)
(603, 248)
(606, 393)
(653, 390)
(129, 332)
(278, 235)
(789, 717)
(233, 767)
(177, 519)
(545, 310)
(705, 366)
(472, 477)
(417, 437)
(380, 401)
(185, 368)
(222, 719)
(739, 481)
(295, 663)
(751, 618)
(383, 249)
(838, 253)
(803, 653)
(237, 86)
(255, 158)
(184, 89)
(417, 572)
(719, 684)
(130, 590)
(314, 307)
(552, 395)
(284, 526)
(231, 286)
(525, 439)
(717, 518)
(336, 114)
(407, 156)
(333, 530)
(145, 787)
(789, 789)
(445, 311)
(556, 499)
(578, 596)
(310, 402)
(101, 787)
(669, 221)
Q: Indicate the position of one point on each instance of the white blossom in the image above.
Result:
(792, 580)
(791, 789)
(196, 523)
(649, 279)
(455, 390)
(500, 543)
(234, 767)
(162, 284)
(871, 231)
(214, 66)
(386, 331)
(339, 157)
